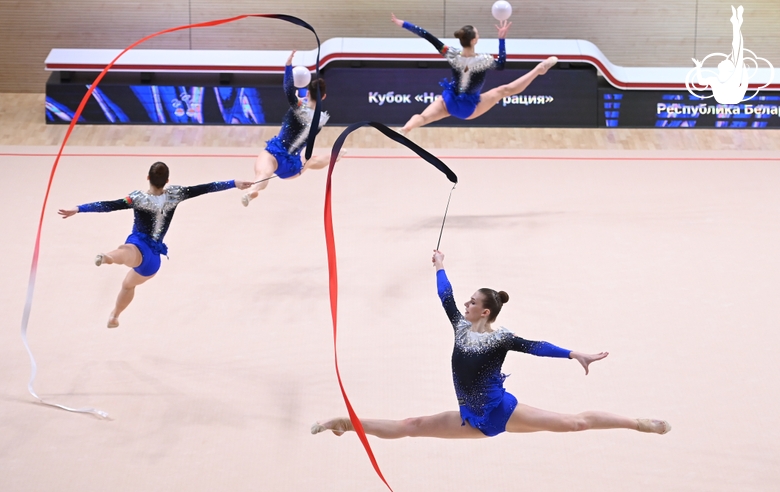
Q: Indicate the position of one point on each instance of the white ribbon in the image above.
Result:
(25, 320)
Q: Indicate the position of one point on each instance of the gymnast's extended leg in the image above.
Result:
(529, 419)
(434, 112)
(445, 425)
(491, 97)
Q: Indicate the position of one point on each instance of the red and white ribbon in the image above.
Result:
(76, 116)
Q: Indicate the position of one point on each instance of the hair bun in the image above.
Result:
(503, 296)
(459, 33)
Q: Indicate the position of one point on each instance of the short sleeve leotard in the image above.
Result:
(476, 366)
(286, 147)
(153, 216)
(461, 93)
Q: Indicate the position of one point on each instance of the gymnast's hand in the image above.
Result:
(398, 22)
(289, 60)
(242, 185)
(586, 359)
(438, 259)
(503, 27)
(67, 213)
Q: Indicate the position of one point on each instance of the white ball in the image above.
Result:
(501, 10)
(301, 76)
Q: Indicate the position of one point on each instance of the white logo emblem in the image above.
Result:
(730, 83)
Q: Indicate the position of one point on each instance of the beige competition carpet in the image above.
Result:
(658, 246)
(666, 259)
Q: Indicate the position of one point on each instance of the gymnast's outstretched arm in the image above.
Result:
(547, 349)
(108, 206)
(197, 190)
(440, 47)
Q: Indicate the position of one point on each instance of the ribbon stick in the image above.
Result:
(264, 179)
(438, 243)
(331, 247)
(77, 115)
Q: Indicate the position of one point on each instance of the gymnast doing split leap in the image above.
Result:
(282, 154)
(153, 211)
(461, 97)
(486, 409)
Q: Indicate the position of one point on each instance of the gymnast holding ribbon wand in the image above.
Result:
(486, 409)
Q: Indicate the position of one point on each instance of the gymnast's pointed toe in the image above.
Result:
(653, 426)
(337, 426)
(316, 428)
(547, 64)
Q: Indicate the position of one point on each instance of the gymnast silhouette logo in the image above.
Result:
(730, 83)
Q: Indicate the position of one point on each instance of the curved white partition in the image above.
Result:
(374, 49)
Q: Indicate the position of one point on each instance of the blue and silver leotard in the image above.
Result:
(461, 94)
(153, 215)
(286, 147)
(476, 366)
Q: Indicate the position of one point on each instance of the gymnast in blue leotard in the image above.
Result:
(153, 211)
(486, 409)
(462, 97)
(282, 154)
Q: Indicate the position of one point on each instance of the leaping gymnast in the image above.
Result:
(153, 215)
(486, 409)
(461, 97)
(282, 154)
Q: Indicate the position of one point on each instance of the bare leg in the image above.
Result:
(126, 294)
(445, 425)
(491, 97)
(318, 162)
(530, 419)
(434, 112)
(126, 254)
(265, 167)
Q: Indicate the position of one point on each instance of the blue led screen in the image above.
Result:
(561, 98)
(163, 104)
(390, 96)
(680, 109)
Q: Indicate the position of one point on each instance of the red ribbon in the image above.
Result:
(330, 242)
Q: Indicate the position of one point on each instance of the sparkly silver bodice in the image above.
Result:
(153, 214)
(158, 210)
(477, 357)
(469, 71)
